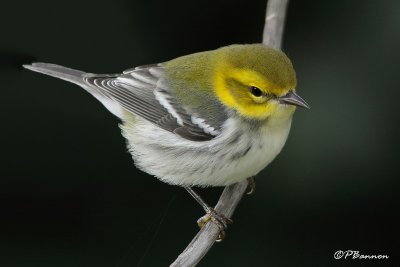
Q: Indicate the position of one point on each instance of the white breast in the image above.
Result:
(239, 152)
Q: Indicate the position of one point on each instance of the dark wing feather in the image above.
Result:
(144, 92)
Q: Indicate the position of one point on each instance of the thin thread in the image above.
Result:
(164, 215)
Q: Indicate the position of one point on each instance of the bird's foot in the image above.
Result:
(220, 220)
(251, 185)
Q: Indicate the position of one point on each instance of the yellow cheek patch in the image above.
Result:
(222, 91)
(256, 111)
(241, 99)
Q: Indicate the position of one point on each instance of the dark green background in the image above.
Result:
(70, 195)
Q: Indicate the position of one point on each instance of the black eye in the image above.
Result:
(255, 91)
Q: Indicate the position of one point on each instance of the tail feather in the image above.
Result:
(77, 77)
(67, 74)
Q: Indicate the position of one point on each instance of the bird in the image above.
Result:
(211, 118)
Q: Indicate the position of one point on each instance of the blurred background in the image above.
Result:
(71, 196)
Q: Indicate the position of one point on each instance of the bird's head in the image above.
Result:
(256, 81)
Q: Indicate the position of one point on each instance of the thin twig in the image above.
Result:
(274, 23)
(230, 197)
(206, 237)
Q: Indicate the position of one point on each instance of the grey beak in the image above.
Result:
(292, 98)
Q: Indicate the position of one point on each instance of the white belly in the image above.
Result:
(238, 153)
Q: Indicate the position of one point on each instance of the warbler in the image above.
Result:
(212, 118)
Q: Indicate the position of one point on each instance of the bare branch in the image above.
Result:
(274, 23)
(230, 197)
(206, 237)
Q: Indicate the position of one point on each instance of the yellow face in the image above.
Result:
(250, 93)
(254, 80)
